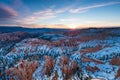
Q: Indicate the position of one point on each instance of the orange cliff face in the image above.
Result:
(23, 71)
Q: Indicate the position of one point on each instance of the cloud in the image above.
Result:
(69, 19)
(51, 13)
(20, 6)
(42, 15)
(45, 14)
(7, 12)
(44, 25)
(9, 25)
(84, 25)
(84, 9)
(38, 16)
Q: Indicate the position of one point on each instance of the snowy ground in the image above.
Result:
(91, 50)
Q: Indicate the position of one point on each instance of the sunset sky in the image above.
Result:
(60, 13)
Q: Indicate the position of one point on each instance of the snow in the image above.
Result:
(24, 50)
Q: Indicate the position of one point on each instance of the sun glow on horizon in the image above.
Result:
(72, 26)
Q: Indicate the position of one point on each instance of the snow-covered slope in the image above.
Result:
(75, 55)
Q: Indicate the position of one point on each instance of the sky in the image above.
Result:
(60, 13)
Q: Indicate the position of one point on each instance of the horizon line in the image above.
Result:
(61, 28)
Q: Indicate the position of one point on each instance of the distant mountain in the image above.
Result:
(22, 29)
